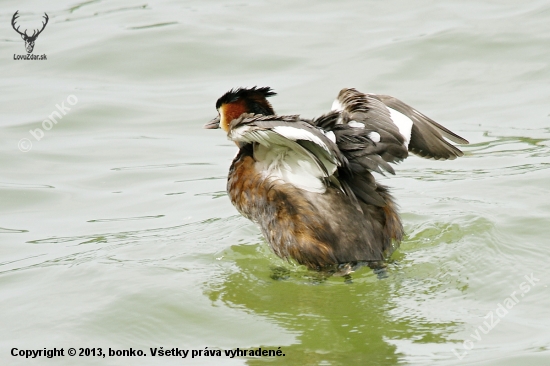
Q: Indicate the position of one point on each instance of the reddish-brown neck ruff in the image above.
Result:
(230, 111)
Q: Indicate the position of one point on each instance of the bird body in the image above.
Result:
(308, 184)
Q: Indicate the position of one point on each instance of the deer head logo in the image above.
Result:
(29, 40)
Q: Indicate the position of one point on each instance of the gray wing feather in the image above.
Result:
(426, 135)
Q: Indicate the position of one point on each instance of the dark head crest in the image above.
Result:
(254, 97)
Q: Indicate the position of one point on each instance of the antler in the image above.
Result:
(43, 26)
(34, 34)
(15, 16)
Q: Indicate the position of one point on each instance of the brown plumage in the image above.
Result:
(308, 183)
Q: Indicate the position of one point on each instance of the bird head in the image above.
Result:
(235, 102)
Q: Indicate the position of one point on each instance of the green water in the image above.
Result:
(116, 231)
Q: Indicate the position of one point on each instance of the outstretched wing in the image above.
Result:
(290, 149)
(369, 141)
(426, 134)
(423, 136)
(374, 130)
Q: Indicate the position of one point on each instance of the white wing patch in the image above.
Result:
(291, 166)
(337, 106)
(331, 136)
(294, 134)
(374, 136)
(294, 155)
(403, 123)
(239, 133)
(280, 157)
(248, 134)
(356, 124)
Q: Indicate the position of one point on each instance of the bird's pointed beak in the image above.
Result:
(215, 123)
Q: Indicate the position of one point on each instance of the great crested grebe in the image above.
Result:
(308, 184)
